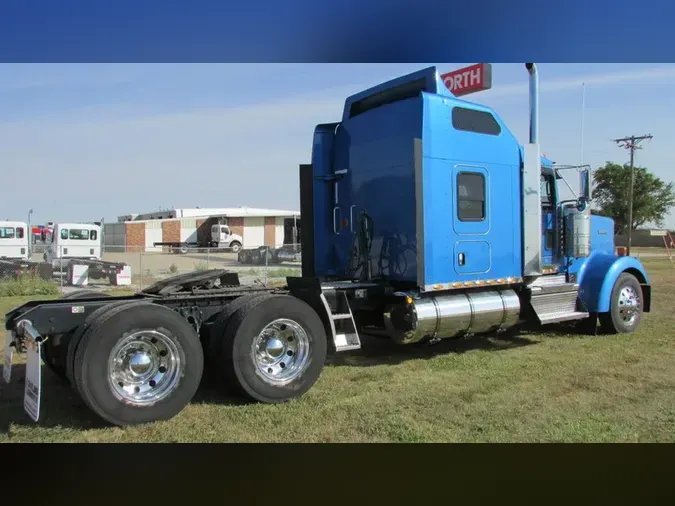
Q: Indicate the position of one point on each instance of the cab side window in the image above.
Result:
(6, 233)
(470, 196)
(64, 233)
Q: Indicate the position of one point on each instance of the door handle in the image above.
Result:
(351, 218)
(461, 259)
(336, 220)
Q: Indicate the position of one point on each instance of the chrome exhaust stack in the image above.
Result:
(534, 102)
(531, 189)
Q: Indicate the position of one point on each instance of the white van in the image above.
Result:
(14, 240)
(73, 240)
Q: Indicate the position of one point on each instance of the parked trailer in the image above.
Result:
(441, 230)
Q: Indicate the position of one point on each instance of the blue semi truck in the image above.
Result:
(423, 219)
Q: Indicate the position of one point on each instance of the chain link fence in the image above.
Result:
(45, 272)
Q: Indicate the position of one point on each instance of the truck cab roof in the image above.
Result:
(427, 80)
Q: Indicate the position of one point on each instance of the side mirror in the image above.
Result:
(585, 180)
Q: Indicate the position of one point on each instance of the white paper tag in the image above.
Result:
(80, 275)
(31, 396)
(9, 354)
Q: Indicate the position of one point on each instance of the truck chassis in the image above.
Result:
(140, 358)
(159, 340)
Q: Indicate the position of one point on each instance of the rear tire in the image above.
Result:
(274, 349)
(625, 310)
(214, 345)
(74, 340)
(138, 363)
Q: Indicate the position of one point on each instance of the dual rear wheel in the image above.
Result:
(135, 362)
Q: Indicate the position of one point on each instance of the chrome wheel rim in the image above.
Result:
(145, 367)
(281, 351)
(629, 305)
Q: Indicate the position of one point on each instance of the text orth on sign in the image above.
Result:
(469, 79)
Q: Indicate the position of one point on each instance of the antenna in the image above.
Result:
(583, 107)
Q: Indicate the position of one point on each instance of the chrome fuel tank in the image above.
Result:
(453, 315)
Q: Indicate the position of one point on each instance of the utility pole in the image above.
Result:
(631, 143)
(29, 233)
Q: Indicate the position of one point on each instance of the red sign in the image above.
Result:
(469, 79)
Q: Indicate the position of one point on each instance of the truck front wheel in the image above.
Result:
(138, 363)
(625, 310)
(235, 246)
(274, 349)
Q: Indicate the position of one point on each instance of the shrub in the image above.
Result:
(173, 269)
(201, 266)
(28, 284)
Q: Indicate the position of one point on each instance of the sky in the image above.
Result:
(81, 142)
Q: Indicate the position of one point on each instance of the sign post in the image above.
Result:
(469, 79)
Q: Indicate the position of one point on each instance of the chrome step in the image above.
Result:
(341, 316)
(554, 288)
(553, 279)
(345, 336)
(555, 302)
(347, 342)
(562, 317)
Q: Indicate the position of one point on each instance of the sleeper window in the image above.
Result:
(470, 196)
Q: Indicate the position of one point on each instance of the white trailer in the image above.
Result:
(13, 240)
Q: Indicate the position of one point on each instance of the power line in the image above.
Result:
(631, 143)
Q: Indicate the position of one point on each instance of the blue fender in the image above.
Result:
(597, 276)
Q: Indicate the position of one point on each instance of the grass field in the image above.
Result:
(535, 387)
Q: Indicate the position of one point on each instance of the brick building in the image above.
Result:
(258, 227)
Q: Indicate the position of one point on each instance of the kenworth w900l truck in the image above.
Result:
(423, 217)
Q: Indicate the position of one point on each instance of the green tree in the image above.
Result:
(652, 197)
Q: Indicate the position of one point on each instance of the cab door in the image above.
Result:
(472, 251)
(485, 234)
